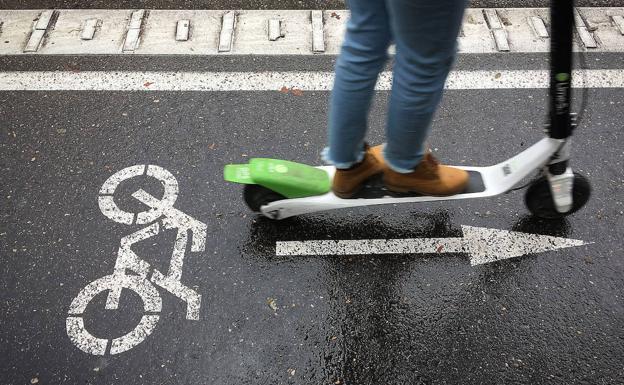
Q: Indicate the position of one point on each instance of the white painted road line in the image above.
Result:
(318, 38)
(273, 81)
(228, 22)
(88, 31)
(540, 28)
(619, 22)
(134, 31)
(482, 244)
(497, 29)
(39, 30)
(182, 30)
(581, 28)
(302, 32)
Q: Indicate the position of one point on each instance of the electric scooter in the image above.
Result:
(280, 189)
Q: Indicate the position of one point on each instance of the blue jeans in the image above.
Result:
(425, 33)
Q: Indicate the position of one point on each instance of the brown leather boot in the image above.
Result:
(347, 182)
(429, 178)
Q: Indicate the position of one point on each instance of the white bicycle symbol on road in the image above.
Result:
(131, 272)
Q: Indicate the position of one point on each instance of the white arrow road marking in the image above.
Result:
(484, 245)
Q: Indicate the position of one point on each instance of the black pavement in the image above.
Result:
(549, 318)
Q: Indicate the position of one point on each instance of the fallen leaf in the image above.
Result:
(34, 380)
(497, 76)
(272, 304)
(147, 84)
(284, 90)
(71, 67)
(439, 249)
(291, 371)
(212, 146)
(297, 92)
(335, 15)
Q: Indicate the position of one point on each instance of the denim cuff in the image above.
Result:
(401, 166)
(326, 158)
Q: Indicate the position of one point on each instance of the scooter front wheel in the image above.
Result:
(257, 196)
(539, 199)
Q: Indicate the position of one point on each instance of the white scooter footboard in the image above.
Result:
(484, 182)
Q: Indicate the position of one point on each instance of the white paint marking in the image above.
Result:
(492, 18)
(318, 33)
(87, 342)
(106, 202)
(132, 40)
(274, 81)
(226, 36)
(35, 40)
(134, 31)
(496, 27)
(484, 245)
(111, 184)
(84, 340)
(500, 37)
(619, 23)
(110, 209)
(131, 271)
(126, 342)
(88, 31)
(275, 29)
(149, 295)
(174, 218)
(129, 260)
(39, 30)
(44, 20)
(136, 20)
(170, 184)
(490, 245)
(581, 28)
(539, 27)
(370, 246)
(182, 30)
(251, 32)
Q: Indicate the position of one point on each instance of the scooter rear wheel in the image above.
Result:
(257, 196)
(540, 203)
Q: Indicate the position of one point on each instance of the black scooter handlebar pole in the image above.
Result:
(561, 123)
(562, 24)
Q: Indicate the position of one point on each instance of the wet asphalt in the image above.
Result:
(549, 318)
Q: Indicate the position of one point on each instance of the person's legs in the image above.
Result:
(362, 57)
(425, 33)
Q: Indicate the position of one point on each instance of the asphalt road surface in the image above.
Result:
(555, 317)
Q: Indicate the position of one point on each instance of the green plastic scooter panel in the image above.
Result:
(293, 180)
(238, 173)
